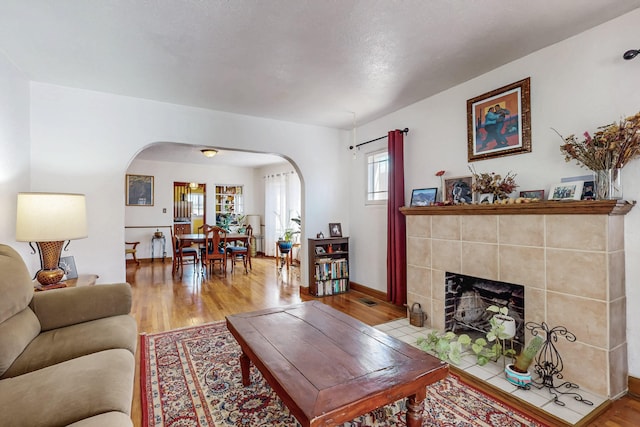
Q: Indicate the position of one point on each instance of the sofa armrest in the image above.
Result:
(68, 306)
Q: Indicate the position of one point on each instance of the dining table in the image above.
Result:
(198, 238)
(189, 239)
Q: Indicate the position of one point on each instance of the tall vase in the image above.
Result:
(608, 184)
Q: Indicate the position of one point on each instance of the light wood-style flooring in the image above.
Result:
(162, 302)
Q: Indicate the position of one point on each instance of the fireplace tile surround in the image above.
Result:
(571, 265)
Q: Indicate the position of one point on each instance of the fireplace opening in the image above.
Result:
(467, 299)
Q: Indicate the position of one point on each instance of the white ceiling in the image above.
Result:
(319, 62)
(180, 153)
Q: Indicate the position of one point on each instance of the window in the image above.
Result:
(377, 177)
(197, 204)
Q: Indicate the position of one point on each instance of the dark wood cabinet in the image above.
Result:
(182, 228)
(328, 266)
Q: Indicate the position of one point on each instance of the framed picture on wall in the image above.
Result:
(139, 190)
(499, 122)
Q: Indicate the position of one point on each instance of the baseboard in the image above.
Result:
(634, 386)
(368, 291)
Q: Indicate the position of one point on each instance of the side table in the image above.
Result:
(81, 280)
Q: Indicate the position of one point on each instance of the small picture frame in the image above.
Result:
(458, 190)
(68, 265)
(335, 229)
(423, 196)
(139, 190)
(320, 250)
(485, 198)
(532, 194)
(588, 190)
(566, 191)
(320, 235)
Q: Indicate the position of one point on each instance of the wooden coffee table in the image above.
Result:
(329, 368)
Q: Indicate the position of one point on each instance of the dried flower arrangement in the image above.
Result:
(493, 183)
(611, 147)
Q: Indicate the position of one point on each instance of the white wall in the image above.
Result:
(576, 85)
(14, 149)
(94, 136)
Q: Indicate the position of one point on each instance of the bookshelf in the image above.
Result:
(229, 200)
(328, 266)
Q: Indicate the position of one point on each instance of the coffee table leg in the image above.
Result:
(244, 365)
(415, 409)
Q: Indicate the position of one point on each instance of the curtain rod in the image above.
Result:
(351, 147)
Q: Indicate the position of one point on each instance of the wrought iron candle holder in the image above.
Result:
(549, 366)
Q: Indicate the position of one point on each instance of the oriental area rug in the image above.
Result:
(192, 377)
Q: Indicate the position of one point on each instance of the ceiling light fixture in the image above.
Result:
(630, 54)
(209, 152)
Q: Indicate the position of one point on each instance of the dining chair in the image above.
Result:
(131, 251)
(180, 253)
(214, 251)
(244, 252)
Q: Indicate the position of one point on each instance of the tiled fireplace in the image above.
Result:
(569, 256)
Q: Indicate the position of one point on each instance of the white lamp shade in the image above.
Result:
(51, 217)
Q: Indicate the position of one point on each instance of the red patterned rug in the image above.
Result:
(191, 377)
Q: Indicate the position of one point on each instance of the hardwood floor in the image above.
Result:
(162, 302)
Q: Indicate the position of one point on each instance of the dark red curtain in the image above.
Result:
(396, 229)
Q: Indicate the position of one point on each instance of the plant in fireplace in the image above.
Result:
(451, 347)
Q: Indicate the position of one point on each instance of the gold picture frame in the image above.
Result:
(499, 122)
(139, 190)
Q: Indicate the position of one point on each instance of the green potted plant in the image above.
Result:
(518, 373)
(452, 347)
(285, 242)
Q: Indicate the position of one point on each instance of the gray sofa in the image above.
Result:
(67, 356)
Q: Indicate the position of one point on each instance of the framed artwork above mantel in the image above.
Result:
(499, 122)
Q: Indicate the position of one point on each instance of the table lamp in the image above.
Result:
(49, 219)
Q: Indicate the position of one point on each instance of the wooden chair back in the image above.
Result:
(178, 253)
(213, 251)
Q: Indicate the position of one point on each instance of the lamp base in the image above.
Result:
(50, 273)
(49, 277)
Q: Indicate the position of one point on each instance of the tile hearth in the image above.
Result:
(492, 373)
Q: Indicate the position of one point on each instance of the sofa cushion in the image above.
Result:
(16, 286)
(59, 345)
(15, 334)
(68, 306)
(69, 391)
(109, 419)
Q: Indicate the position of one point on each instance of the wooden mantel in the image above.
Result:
(577, 207)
